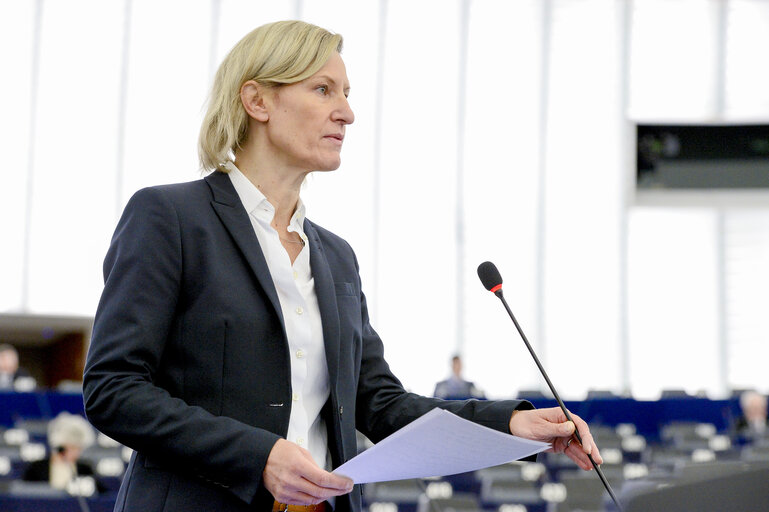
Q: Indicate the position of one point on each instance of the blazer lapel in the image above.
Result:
(326, 293)
(233, 215)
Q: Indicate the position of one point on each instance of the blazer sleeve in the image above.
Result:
(136, 313)
(384, 406)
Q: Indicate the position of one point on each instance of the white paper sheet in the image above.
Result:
(437, 444)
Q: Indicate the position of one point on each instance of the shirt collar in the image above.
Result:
(255, 202)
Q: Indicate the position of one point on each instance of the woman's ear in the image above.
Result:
(252, 97)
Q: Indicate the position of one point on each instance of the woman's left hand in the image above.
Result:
(551, 426)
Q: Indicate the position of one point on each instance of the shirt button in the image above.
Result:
(295, 397)
(300, 354)
(300, 441)
(296, 274)
(299, 310)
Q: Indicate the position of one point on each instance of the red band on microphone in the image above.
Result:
(498, 287)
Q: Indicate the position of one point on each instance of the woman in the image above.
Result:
(231, 347)
(68, 436)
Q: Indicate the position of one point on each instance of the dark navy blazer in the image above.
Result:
(189, 362)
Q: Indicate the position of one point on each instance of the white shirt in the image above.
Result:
(61, 473)
(299, 304)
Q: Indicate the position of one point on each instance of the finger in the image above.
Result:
(301, 491)
(548, 429)
(588, 444)
(296, 497)
(559, 433)
(321, 478)
(335, 482)
(589, 447)
(597, 455)
(584, 431)
(291, 489)
(329, 481)
(320, 493)
(566, 428)
(575, 453)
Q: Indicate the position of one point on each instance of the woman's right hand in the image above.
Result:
(292, 477)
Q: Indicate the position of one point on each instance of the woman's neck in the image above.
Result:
(279, 185)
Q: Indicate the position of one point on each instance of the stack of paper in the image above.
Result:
(437, 444)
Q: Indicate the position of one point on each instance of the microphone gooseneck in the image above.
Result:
(492, 281)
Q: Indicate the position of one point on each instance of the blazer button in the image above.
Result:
(341, 410)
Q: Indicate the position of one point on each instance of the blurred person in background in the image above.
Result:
(456, 386)
(68, 435)
(11, 375)
(232, 348)
(753, 422)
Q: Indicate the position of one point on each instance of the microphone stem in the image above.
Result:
(597, 468)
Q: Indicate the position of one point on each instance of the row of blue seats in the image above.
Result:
(647, 416)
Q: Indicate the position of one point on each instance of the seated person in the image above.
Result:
(68, 436)
(11, 376)
(753, 422)
(455, 386)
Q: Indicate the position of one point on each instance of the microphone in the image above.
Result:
(492, 281)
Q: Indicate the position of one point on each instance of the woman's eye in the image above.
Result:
(322, 88)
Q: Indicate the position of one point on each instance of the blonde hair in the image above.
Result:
(70, 429)
(284, 52)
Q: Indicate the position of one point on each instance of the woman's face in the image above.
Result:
(307, 120)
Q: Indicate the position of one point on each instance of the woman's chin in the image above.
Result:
(327, 166)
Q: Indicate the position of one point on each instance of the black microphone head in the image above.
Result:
(490, 276)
